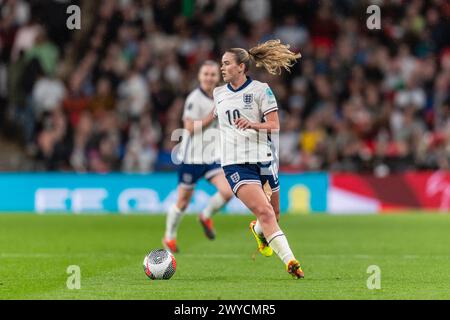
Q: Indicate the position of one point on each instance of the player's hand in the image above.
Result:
(243, 124)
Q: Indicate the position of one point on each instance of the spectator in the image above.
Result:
(142, 149)
(103, 101)
(54, 141)
(75, 101)
(105, 144)
(48, 94)
(81, 139)
(291, 32)
(133, 95)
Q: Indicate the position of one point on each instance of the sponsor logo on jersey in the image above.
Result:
(235, 177)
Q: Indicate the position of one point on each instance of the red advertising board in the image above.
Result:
(413, 190)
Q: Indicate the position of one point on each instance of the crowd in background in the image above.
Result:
(107, 97)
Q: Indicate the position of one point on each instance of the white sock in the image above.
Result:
(214, 204)
(173, 220)
(280, 245)
(258, 229)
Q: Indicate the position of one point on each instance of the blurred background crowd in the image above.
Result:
(107, 97)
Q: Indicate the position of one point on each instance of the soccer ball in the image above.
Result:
(159, 264)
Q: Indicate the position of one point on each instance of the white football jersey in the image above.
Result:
(252, 101)
(202, 147)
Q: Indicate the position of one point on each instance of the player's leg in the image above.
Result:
(238, 175)
(271, 188)
(257, 231)
(275, 202)
(174, 216)
(221, 197)
(188, 174)
(252, 195)
(215, 203)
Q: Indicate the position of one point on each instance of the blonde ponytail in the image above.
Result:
(273, 55)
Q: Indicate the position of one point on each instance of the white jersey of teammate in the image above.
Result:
(252, 101)
(202, 147)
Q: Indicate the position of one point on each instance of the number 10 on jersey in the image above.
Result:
(235, 114)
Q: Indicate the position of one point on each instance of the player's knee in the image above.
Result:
(226, 195)
(182, 203)
(268, 218)
(264, 212)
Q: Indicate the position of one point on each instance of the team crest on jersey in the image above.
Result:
(248, 98)
(235, 177)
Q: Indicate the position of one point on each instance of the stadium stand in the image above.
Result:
(107, 97)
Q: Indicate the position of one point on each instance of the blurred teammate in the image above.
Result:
(199, 156)
(247, 113)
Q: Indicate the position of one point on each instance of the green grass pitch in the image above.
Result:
(412, 251)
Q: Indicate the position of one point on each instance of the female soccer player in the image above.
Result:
(247, 113)
(199, 158)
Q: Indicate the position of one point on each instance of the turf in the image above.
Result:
(412, 251)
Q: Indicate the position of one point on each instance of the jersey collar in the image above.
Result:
(246, 83)
(204, 93)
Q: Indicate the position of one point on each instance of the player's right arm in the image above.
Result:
(191, 117)
(195, 125)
